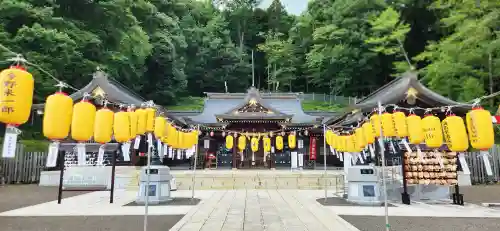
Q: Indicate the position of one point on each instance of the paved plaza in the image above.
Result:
(229, 210)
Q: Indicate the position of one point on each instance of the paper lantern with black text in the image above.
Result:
(455, 133)
(279, 142)
(399, 119)
(480, 127)
(388, 125)
(16, 95)
(433, 132)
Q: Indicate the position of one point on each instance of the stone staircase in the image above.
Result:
(251, 179)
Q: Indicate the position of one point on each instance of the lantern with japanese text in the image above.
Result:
(142, 117)
(399, 119)
(57, 116)
(279, 142)
(455, 133)
(254, 144)
(342, 143)
(266, 143)
(121, 126)
(17, 95)
(369, 133)
(242, 142)
(360, 139)
(388, 125)
(229, 142)
(133, 123)
(350, 143)
(103, 126)
(82, 121)
(292, 140)
(150, 119)
(433, 132)
(480, 127)
(159, 128)
(375, 122)
(415, 129)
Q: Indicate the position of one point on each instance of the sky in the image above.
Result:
(295, 7)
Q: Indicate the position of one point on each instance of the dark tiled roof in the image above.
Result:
(395, 91)
(284, 103)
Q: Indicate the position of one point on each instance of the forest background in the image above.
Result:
(167, 50)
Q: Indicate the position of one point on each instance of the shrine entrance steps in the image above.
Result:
(250, 179)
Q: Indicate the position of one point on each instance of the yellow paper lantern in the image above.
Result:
(350, 144)
(369, 133)
(142, 117)
(57, 116)
(254, 144)
(242, 142)
(399, 119)
(292, 141)
(267, 144)
(181, 140)
(333, 140)
(279, 142)
(150, 119)
(159, 128)
(121, 126)
(342, 143)
(173, 138)
(103, 127)
(229, 142)
(328, 137)
(455, 133)
(375, 122)
(360, 139)
(415, 129)
(388, 125)
(82, 121)
(480, 127)
(133, 123)
(16, 95)
(433, 132)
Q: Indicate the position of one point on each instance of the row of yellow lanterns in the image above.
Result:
(254, 142)
(429, 130)
(84, 122)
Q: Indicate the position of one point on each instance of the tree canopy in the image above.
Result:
(168, 49)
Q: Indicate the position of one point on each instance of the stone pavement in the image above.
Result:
(257, 210)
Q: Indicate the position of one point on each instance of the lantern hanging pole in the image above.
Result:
(324, 160)
(146, 191)
(195, 161)
(384, 184)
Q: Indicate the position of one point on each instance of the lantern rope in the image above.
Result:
(18, 59)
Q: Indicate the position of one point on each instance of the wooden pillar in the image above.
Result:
(235, 153)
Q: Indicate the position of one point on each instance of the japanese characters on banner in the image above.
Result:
(312, 148)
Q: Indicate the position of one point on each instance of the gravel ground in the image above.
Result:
(478, 194)
(88, 223)
(19, 196)
(375, 223)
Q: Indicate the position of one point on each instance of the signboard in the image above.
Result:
(312, 148)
